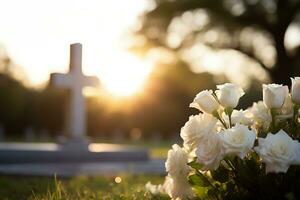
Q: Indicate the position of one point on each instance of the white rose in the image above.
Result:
(287, 109)
(154, 189)
(176, 164)
(238, 140)
(274, 95)
(205, 102)
(278, 151)
(178, 188)
(176, 184)
(261, 115)
(197, 127)
(239, 117)
(229, 94)
(295, 90)
(209, 152)
(288, 106)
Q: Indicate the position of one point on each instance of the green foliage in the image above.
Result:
(199, 180)
(195, 165)
(244, 179)
(230, 20)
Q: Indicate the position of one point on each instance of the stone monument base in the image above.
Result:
(76, 144)
(69, 153)
(150, 167)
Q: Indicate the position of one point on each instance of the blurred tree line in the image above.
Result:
(256, 29)
(161, 107)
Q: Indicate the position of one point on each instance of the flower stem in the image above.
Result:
(228, 112)
(230, 164)
(224, 124)
(230, 124)
(217, 115)
(210, 183)
(273, 124)
(296, 108)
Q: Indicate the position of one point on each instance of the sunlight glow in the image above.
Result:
(37, 35)
(125, 75)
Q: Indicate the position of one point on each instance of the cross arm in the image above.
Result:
(91, 81)
(61, 80)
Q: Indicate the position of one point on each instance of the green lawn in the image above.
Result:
(81, 188)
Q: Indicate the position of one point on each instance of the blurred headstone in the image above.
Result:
(101, 136)
(61, 138)
(2, 133)
(118, 135)
(29, 134)
(44, 135)
(156, 137)
(135, 134)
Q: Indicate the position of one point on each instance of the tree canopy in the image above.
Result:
(254, 28)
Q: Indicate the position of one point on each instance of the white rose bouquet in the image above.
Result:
(237, 154)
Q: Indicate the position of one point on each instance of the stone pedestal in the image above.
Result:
(76, 144)
(69, 153)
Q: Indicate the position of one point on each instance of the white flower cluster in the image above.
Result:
(220, 131)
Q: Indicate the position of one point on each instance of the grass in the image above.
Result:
(81, 188)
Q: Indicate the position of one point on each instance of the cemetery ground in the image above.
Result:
(50, 188)
(120, 186)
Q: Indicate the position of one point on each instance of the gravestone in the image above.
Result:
(60, 137)
(29, 134)
(75, 81)
(156, 137)
(44, 135)
(118, 135)
(135, 134)
(2, 133)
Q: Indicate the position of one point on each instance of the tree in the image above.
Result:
(165, 99)
(231, 19)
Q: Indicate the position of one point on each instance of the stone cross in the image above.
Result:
(75, 81)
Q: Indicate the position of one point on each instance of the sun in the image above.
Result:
(125, 75)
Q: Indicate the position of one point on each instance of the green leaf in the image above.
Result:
(200, 191)
(195, 165)
(198, 180)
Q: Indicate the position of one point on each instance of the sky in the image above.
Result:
(36, 35)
